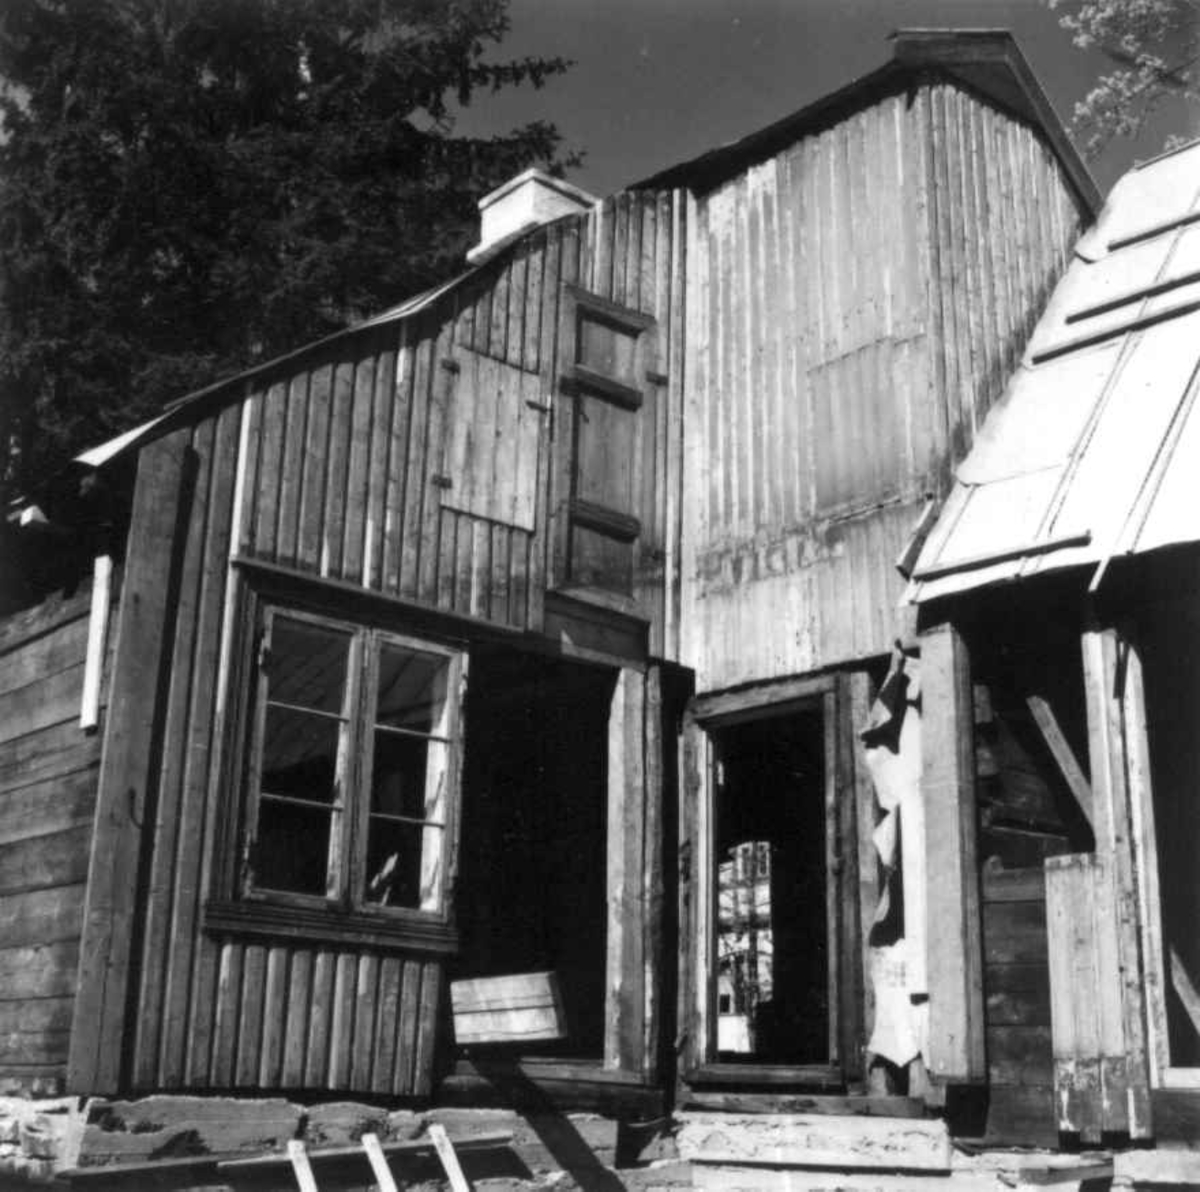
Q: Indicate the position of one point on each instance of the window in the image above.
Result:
(352, 765)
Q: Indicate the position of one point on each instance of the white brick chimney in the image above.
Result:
(520, 205)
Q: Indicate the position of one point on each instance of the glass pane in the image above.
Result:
(412, 690)
(306, 665)
(299, 756)
(605, 349)
(291, 847)
(398, 775)
(403, 864)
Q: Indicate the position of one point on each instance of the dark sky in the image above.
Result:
(659, 81)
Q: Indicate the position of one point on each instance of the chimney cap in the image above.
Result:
(521, 204)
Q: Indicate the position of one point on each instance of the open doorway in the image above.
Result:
(771, 861)
(531, 889)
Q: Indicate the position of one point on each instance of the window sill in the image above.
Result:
(270, 920)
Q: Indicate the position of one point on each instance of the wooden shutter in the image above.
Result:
(490, 465)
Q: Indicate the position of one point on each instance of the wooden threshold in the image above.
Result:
(799, 1076)
(827, 1104)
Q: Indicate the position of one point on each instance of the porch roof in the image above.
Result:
(1093, 451)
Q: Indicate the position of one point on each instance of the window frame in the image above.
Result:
(633, 394)
(236, 905)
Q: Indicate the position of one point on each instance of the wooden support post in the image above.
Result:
(1116, 733)
(695, 895)
(954, 957)
(99, 1026)
(625, 967)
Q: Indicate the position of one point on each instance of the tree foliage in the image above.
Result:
(1152, 46)
(190, 186)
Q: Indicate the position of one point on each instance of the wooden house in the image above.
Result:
(491, 635)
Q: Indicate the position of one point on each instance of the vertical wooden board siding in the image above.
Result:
(311, 474)
(299, 1006)
(387, 1016)
(250, 1015)
(272, 426)
(366, 1001)
(396, 493)
(377, 512)
(860, 299)
(404, 1075)
(316, 1061)
(427, 1029)
(292, 468)
(341, 1021)
(340, 430)
(440, 391)
(158, 893)
(225, 1020)
(359, 472)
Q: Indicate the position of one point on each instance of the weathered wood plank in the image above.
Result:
(316, 451)
(948, 785)
(54, 805)
(404, 1077)
(187, 998)
(43, 862)
(161, 501)
(384, 1063)
(366, 999)
(43, 970)
(427, 1028)
(59, 749)
(44, 702)
(40, 657)
(815, 1140)
(1063, 754)
(20, 629)
(35, 1031)
(298, 1000)
(156, 894)
(316, 1063)
(47, 916)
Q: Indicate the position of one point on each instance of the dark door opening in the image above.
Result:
(531, 888)
(772, 889)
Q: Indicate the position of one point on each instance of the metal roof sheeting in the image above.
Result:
(1093, 452)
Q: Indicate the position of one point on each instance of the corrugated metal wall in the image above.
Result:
(340, 460)
(855, 305)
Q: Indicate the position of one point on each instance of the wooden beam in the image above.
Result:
(1116, 739)
(625, 967)
(124, 794)
(954, 960)
(379, 1164)
(449, 1160)
(1064, 755)
(97, 642)
(1181, 982)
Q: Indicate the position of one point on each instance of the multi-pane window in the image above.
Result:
(352, 765)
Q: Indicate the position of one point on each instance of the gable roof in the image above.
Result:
(1093, 451)
(988, 61)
